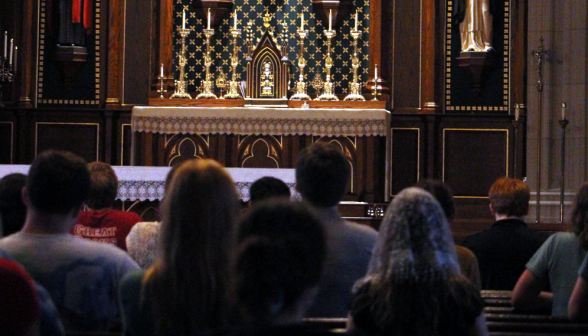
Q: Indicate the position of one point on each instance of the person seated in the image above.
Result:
(18, 301)
(413, 285)
(80, 275)
(185, 292)
(322, 175)
(267, 187)
(505, 248)
(13, 211)
(578, 304)
(101, 222)
(144, 236)
(277, 267)
(556, 264)
(466, 258)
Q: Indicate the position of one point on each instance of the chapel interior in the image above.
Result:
(93, 76)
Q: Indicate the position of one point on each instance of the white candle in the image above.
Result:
(161, 72)
(376, 75)
(302, 21)
(208, 26)
(355, 21)
(235, 19)
(330, 18)
(5, 42)
(517, 112)
(11, 47)
(15, 58)
(183, 21)
(563, 111)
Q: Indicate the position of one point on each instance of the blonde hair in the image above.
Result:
(189, 281)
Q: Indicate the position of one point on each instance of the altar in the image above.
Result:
(244, 137)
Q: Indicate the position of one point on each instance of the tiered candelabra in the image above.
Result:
(233, 83)
(301, 84)
(181, 84)
(7, 72)
(355, 87)
(207, 82)
(328, 86)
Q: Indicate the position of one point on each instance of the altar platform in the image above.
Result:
(242, 137)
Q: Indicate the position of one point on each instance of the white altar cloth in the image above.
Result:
(146, 183)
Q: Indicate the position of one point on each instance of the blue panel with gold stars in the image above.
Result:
(282, 12)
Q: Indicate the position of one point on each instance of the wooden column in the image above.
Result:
(164, 39)
(376, 45)
(26, 53)
(428, 49)
(114, 75)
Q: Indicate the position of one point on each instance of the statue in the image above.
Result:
(475, 24)
(70, 21)
(267, 80)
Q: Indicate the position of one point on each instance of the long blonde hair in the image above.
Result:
(188, 283)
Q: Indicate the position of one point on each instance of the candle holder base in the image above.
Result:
(207, 92)
(233, 91)
(180, 90)
(354, 97)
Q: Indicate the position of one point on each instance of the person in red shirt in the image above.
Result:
(101, 222)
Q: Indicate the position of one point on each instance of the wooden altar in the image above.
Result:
(265, 138)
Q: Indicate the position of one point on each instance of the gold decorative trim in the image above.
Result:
(66, 123)
(11, 139)
(122, 142)
(418, 152)
(506, 130)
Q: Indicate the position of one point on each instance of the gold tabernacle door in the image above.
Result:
(268, 74)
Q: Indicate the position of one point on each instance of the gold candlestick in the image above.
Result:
(207, 82)
(181, 84)
(375, 87)
(233, 83)
(301, 84)
(355, 87)
(328, 86)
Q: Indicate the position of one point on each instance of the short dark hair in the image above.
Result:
(322, 174)
(442, 193)
(509, 197)
(58, 182)
(579, 222)
(268, 187)
(103, 186)
(280, 253)
(13, 211)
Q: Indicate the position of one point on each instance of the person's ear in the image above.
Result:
(23, 195)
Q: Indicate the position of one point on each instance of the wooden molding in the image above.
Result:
(27, 53)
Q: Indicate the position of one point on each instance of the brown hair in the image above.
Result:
(189, 281)
(103, 187)
(580, 216)
(510, 197)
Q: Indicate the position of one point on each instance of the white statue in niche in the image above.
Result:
(475, 24)
(267, 80)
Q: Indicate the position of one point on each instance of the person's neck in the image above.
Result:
(498, 217)
(38, 222)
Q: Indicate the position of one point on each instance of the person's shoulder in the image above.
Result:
(99, 249)
(145, 226)
(464, 252)
(361, 229)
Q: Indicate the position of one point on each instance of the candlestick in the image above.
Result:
(5, 42)
(15, 58)
(328, 86)
(11, 47)
(233, 83)
(517, 112)
(183, 22)
(207, 82)
(301, 85)
(330, 19)
(375, 87)
(563, 111)
(161, 71)
(208, 26)
(235, 20)
(563, 123)
(355, 86)
(181, 84)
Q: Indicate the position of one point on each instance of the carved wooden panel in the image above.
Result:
(405, 165)
(263, 151)
(182, 147)
(6, 142)
(56, 135)
(126, 137)
(473, 159)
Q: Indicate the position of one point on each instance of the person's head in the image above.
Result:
(509, 197)
(322, 174)
(58, 183)
(580, 216)
(18, 300)
(189, 281)
(278, 262)
(104, 186)
(411, 266)
(268, 187)
(442, 193)
(13, 211)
